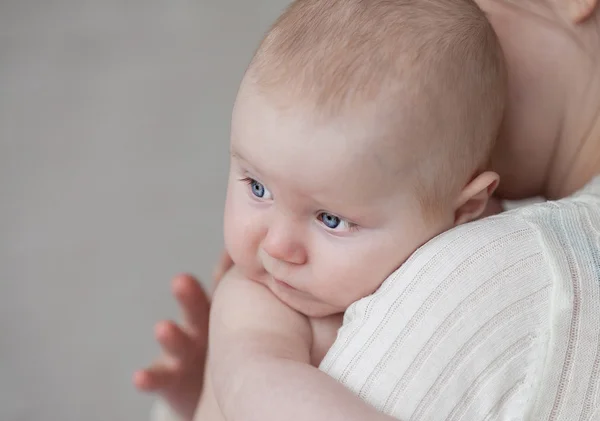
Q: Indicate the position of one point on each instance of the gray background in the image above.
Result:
(114, 123)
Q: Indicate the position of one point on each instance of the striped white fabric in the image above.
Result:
(494, 320)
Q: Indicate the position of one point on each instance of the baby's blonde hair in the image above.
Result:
(437, 62)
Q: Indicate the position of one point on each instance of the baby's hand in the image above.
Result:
(177, 376)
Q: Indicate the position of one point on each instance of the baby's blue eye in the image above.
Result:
(336, 223)
(258, 189)
(330, 221)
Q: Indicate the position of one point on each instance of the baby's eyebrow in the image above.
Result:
(235, 154)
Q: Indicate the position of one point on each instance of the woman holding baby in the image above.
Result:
(549, 146)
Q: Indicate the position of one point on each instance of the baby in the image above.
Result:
(362, 129)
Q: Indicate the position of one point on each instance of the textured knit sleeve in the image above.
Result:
(459, 332)
(569, 388)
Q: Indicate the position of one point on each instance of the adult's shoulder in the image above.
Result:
(470, 252)
(468, 306)
(492, 319)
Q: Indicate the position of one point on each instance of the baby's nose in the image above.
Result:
(282, 242)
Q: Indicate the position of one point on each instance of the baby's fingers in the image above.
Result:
(159, 376)
(194, 303)
(174, 341)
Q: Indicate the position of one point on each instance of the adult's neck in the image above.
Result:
(550, 145)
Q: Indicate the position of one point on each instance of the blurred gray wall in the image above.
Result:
(114, 123)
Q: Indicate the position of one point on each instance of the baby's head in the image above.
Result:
(361, 130)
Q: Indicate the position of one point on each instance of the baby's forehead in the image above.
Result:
(353, 151)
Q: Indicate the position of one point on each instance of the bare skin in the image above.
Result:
(551, 140)
(177, 376)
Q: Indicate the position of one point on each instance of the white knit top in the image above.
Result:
(498, 319)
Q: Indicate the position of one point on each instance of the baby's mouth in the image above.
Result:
(283, 284)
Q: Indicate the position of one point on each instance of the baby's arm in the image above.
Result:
(208, 409)
(261, 361)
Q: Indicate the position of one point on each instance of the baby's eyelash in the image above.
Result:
(247, 180)
(352, 227)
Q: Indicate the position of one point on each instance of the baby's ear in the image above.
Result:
(474, 197)
(579, 10)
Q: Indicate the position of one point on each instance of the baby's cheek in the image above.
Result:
(233, 232)
(242, 239)
(338, 282)
(361, 278)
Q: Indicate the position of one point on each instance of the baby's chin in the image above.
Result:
(303, 304)
(317, 313)
(307, 306)
(313, 311)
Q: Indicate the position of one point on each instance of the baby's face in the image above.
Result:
(313, 211)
